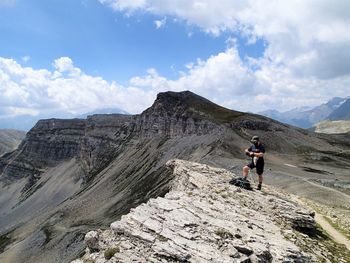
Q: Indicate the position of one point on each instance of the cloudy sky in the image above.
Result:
(67, 57)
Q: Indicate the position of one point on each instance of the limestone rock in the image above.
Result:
(91, 240)
(204, 219)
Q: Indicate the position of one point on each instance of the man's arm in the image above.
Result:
(249, 152)
(260, 154)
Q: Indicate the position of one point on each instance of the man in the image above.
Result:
(256, 151)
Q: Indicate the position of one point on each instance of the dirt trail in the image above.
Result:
(319, 218)
(326, 226)
(334, 233)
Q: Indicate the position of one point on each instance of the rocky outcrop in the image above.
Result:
(176, 114)
(48, 143)
(203, 219)
(51, 141)
(105, 137)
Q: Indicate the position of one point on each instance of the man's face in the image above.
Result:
(255, 142)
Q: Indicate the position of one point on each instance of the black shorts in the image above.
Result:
(259, 166)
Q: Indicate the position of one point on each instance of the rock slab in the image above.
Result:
(203, 219)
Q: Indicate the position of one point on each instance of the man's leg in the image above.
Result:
(260, 181)
(245, 171)
(259, 171)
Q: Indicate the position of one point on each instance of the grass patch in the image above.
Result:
(219, 190)
(322, 245)
(162, 238)
(223, 233)
(224, 195)
(335, 252)
(109, 253)
(303, 149)
(5, 240)
(337, 227)
(48, 234)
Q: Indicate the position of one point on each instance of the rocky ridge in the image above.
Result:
(341, 113)
(100, 138)
(204, 219)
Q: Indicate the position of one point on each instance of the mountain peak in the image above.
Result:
(342, 112)
(176, 95)
(189, 104)
(170, 99)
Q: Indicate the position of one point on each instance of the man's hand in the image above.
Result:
(250, 154)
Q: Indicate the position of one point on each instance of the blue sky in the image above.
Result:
(110, 44)
(65, 58)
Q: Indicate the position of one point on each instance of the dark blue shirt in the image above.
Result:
(257, 148)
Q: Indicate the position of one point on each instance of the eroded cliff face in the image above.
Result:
(175, 114)
(97, 140)
(48, 143)
(53, 140)
(204, 219)
(105, 137)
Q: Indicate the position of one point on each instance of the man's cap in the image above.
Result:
(255, 139)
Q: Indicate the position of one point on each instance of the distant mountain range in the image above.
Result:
(26, 122)
(102, 111)
(342, 112)
(305, 117)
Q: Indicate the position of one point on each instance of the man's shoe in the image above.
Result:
(259, 187)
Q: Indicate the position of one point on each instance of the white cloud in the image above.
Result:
(65, 89)
(226, 80)
(65, 65)
(222, 78)
(309, 37)
(160, 23)
(15, 111)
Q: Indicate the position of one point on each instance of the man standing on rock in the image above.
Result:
(256, 151)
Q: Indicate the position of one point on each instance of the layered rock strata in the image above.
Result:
(203, 219)
(46, 144)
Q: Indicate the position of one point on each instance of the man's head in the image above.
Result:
(255, 140)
